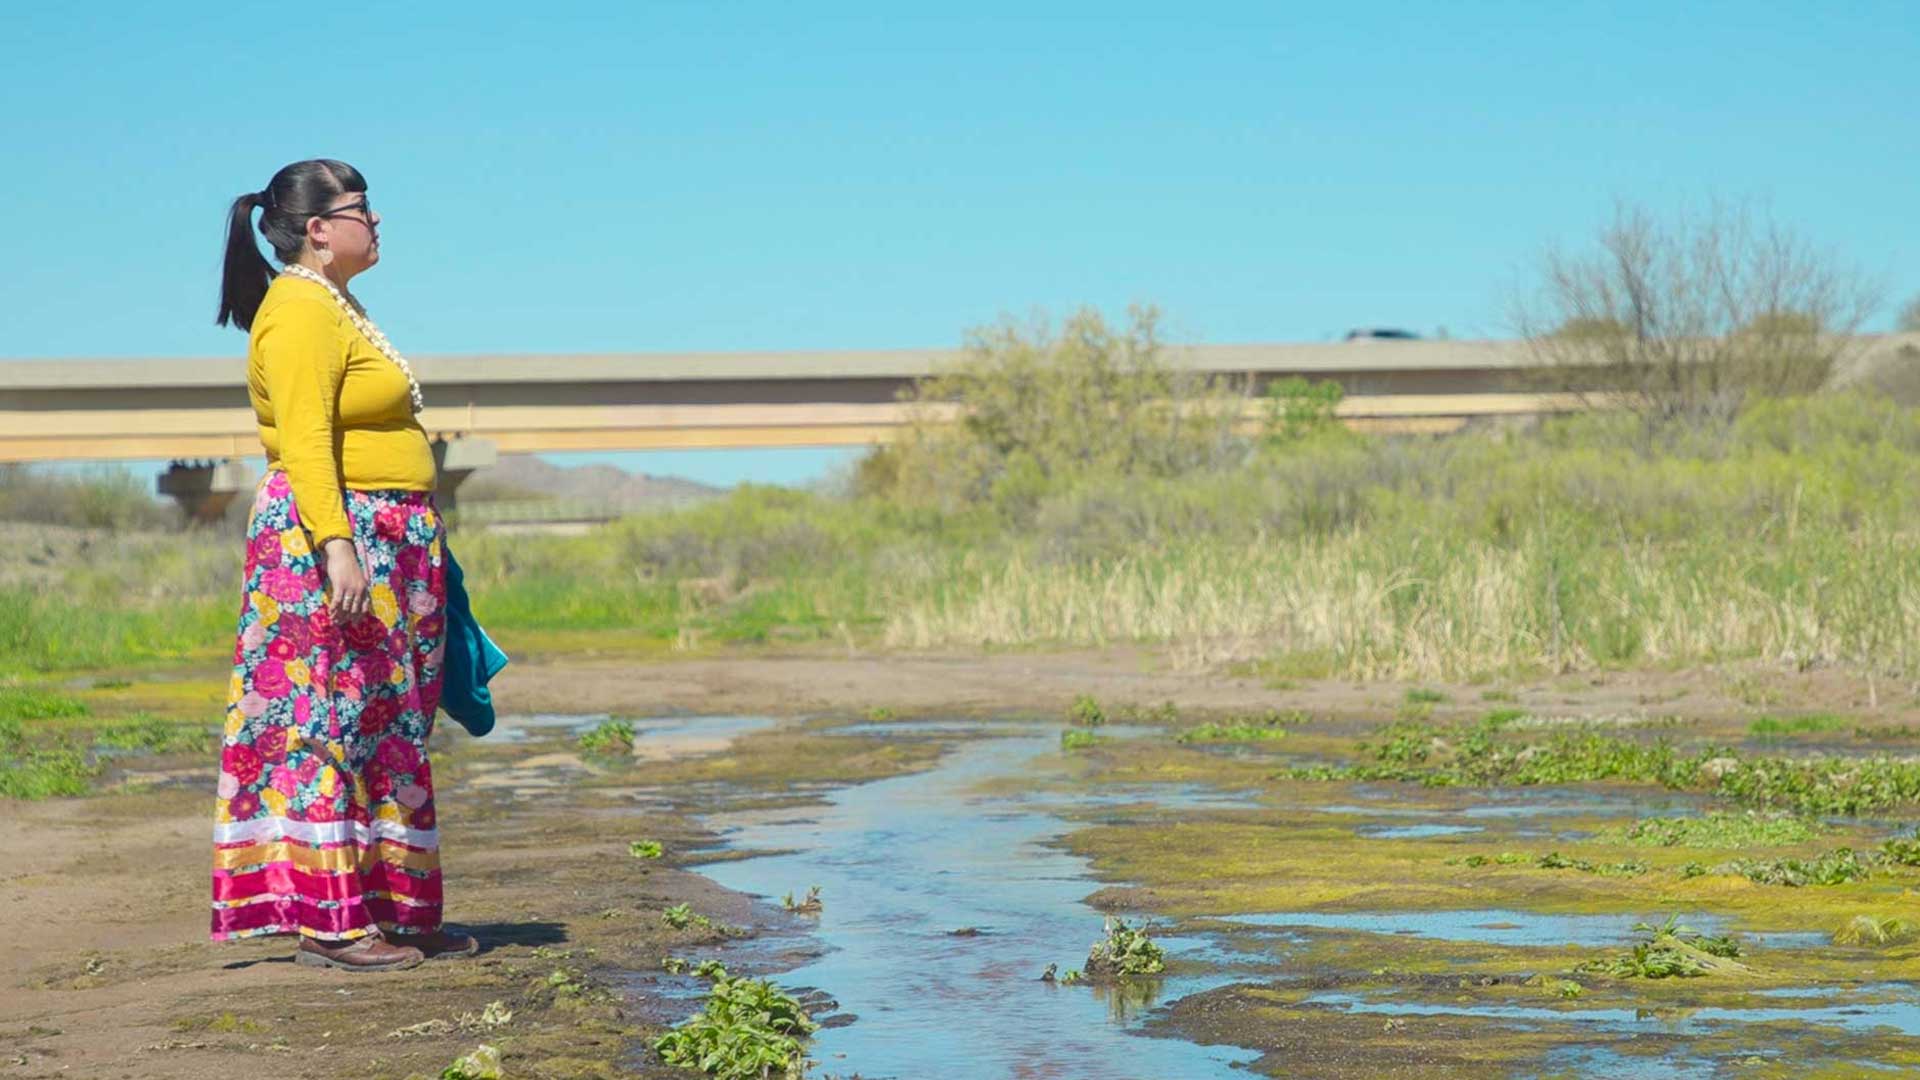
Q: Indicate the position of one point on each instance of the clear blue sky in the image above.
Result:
(713, 176)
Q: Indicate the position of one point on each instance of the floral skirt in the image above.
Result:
(324, 824)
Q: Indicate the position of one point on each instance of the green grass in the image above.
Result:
(1322, 554)
(45, 773)
(50, 745)
(1777, 727)
(151, 734)
(24, 703)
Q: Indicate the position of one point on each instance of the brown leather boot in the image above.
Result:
(370, 953)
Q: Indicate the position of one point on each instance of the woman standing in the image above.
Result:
(324, 825)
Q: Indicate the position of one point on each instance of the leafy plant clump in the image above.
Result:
(1836, 867)
(1086, 712)
(681, 916)
(1901, 850)
(810, 905)
(1079, 740)
(1718, 829)
(608, 738)
(1486, 752)
(748, 1030)
(1670, 951)
(646, 849)
(1876, 930)
(1125, 951)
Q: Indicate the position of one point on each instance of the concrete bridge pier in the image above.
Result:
(204, 489)
(457, 459)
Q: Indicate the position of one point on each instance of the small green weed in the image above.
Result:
(1079, 740)
(811, 905)
(1086, 712)
(1420, 695)
(646, 849)
(1125, 951)
(609, 738)
(681, 916)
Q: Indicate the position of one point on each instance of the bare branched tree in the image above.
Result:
(1693, 317)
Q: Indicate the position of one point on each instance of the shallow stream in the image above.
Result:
(905, 863)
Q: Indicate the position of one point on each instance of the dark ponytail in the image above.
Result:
(300, 191)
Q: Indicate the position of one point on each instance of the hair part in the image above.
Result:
(300, 191)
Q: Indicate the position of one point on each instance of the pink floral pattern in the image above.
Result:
(328, 724)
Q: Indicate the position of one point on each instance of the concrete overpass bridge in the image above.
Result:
(478, 406)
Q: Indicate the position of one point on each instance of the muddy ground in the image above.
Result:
(110, 974)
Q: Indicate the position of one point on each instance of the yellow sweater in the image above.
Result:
(333, 411)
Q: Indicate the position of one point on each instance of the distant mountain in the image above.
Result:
(527, 476)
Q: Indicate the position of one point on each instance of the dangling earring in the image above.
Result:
(325, 255)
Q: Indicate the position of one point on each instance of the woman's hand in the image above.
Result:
(346, 581)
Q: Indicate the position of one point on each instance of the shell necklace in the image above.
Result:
(365, 326)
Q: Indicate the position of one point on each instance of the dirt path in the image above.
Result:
(110, 973)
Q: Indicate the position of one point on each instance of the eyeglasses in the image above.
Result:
(361, 207)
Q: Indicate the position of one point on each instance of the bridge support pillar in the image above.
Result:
(457, 459)
(204, 489)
